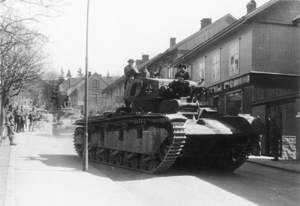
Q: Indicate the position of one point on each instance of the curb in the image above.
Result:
(275, 167)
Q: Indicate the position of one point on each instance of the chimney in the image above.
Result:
(172, 41)
(90, 74)
(205, 22)
(251, 6)
(145, 57)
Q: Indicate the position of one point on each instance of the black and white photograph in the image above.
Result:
(149, 103)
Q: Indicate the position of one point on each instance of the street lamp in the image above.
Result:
(85, 143)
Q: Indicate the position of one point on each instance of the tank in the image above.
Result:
(165, 121)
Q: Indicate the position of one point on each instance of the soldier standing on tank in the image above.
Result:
(9, 119)
(129, 71)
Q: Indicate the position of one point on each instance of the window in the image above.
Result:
(216, 102)
(202, 69)
(170, 73)
(95, 83)
(234, 103)
(234, 62)
(216, 66)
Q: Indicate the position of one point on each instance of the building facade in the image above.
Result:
(161, 62)
(253, 67)
(96, 99)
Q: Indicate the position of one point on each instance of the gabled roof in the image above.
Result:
(245, 19)
(106, 80)
(70, 82)
(227, 17)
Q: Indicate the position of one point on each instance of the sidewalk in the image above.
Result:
(44, 171)
(288, 165)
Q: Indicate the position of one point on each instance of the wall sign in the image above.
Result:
(230, 84)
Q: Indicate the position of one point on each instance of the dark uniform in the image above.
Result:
(31, 118)
(9, 119)
(182, 73)
(129, 73)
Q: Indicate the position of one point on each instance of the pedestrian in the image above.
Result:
(31, 118)
(21, 126)
(182, 72)
(17, 117)
(9, 119)
(129, 72)
(275, 136)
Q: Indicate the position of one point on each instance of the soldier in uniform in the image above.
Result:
(129, 72)
(182, 73)
(9, 119)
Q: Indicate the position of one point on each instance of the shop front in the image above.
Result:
(268, 95)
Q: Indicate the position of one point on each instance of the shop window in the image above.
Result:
(216, 66)
(234, 61)
(216, 102)
(234, 103)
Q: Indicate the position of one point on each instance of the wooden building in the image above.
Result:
(161, 62)
(96, 84)
(253, 67)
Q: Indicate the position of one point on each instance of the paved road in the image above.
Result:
(182, 185)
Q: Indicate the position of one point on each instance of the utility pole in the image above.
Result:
(1, 88)
(85, 143)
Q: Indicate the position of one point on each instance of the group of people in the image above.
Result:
(176, 89)
(16, 121)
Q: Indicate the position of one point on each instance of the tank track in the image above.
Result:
(241, 158)
(231, 163)
(141, 162)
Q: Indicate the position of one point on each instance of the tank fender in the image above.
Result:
(257, 125)
(176, 116)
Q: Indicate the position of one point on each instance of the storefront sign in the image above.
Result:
(230, 84)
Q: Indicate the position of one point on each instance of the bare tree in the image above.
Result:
(22, 57)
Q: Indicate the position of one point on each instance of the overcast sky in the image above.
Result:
(124, 29)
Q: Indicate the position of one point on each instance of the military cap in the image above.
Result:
(130, 61)
(181, 66)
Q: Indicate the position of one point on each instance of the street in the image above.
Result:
(249, 185)
(49, 163)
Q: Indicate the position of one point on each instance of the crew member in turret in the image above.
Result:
(182, 72)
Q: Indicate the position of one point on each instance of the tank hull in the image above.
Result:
(152, 143)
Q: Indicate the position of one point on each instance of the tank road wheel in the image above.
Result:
(92, 154)
(152, 164)
(111, 158)
(132, 161)
(119, 159)
(148, 164)
(78, 141)
(102, 156)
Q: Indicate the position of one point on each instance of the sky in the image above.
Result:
(119, 30)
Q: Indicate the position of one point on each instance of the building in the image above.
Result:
(75, 89)
(161, 62)
(253, 67)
